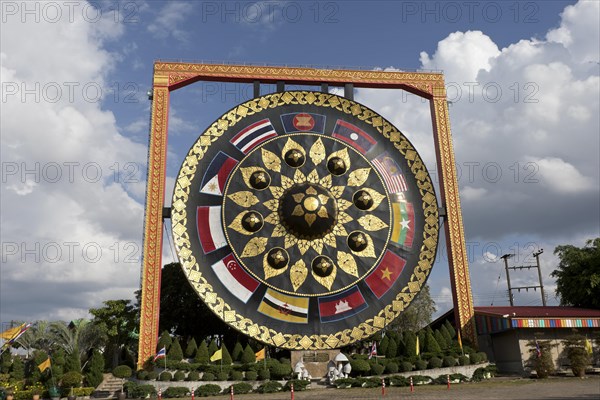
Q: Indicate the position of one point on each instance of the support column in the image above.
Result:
(153, 221)
(455, 236)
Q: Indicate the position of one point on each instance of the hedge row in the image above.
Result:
(397, 380)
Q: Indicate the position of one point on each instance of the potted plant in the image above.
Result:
(71, 396)
(54, 393)
(577, 354)
(36, 391)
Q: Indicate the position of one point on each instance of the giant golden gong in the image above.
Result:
(305, 220)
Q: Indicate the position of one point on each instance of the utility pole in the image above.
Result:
(540, 286)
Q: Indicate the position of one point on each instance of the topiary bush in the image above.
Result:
(398, 380)
(152, 375)
(193, 376)
(122, 371)
(405, 366)
(377, 369)
(241, 388)
(251, 375)
(299, 385)
(269, 387)
(222, 376)
(482, 356)
(360, 367)
(264, 374)
(72, 379)
(235, 375)
(179, 376)
(420, 365)
(174, 392)
(464, 360)
(142, 375)
(475, 358)
(391, 368)
(165, 376)
(434, 362)
(208, 376)
(449, 361)
(280, 371)
(208, 390)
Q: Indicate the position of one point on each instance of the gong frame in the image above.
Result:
(170, 76)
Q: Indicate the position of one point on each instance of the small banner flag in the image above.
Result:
(354, 136)
(588, 346)
(45, 365)
(217, 173)
(235, 278)
(260, 355)
(284, 307)
(459, 340)
(417, 350)
(538, 351)
(373, 352)
(303, 122)
(217, 356)
(161, 354)
(22, 330)
(386, 273)
(210, 230)
(11, 332)
(251, 136)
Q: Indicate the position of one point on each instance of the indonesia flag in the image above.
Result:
(210, 230)
(217, 173)
(251, 136)
(235, 278)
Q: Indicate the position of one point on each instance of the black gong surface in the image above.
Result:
(305, 220)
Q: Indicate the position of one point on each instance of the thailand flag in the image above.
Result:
(216, 174)
(235, 278)
(354, 136)
(161, 354)
(373, 352)
(210, 230)
(251, 136)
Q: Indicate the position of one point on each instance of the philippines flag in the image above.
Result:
(235, 278)
(386, 273)
(161, 354)
(216, 174)
(391, 173)
(210, 230)
(251, 136)
(341, 305)
(303, 122)
(354, 136)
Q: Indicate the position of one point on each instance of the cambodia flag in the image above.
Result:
(210, 230)
(252, 135)
(354, 136)
(386, 273)
(235, 278)
(216, 174)
(303, 122)
(341, 305)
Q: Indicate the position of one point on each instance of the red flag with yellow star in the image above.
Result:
(386, 273)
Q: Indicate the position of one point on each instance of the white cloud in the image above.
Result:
(562, 176)
(168, 21)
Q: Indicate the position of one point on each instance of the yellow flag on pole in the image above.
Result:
(588, 346)
(260, 355)
(45, 365)
(459, 340)
(11, 332)
(217, 356)
(417, 346)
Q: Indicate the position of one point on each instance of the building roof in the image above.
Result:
(538, 312)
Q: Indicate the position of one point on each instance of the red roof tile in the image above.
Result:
(539, 312)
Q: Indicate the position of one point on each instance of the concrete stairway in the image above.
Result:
(109, 388)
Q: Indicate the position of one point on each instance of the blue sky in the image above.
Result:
(523, 78)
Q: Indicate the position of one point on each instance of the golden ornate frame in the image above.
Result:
(169, 76)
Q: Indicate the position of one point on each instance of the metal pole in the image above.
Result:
(537, 259)
(506, 257)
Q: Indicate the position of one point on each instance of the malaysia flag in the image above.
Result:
(391, 173)
(341, 305)
(386, 273)
(216, 174)
(354, 136)
(210, 230)
(252, 135)
(235, 278)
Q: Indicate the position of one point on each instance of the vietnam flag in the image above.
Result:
(386, 273)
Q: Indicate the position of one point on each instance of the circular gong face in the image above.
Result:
(305, 220)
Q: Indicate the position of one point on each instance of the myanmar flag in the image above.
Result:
(403, 227)
(386, 273)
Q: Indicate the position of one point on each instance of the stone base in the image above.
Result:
(317, 362)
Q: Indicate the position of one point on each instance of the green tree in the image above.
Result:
(439, 338)
(17, 370)
(191, 348)
(542, 360)
(248, 356)
(58, 361)
(391, 349)
(418, 314)
(578, 275)
(5, 362)
(95, 369)
(73, 362)
(383, 344)
(77, 339)
(410, 342)
(164, 340)
(175, 353)
(450, 329)
(202, 353)
(117, 319)
(31, 368)
(212, 347)
(226, 356)
(446, 334)
(431, 345)
(237, 352)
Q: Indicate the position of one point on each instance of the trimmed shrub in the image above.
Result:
(95, 367)
(208, 376)
(280, 371)
(251, 375)
(369, 382)
(142, 375)
(482, 356)
(208, 390)
(377, 369)
(360, 367)
(299, 385)
(391, 368)
(237, 352)
(175, 353)
(165, 376)
(179, 376)
(83, 391)
(235, 375)
(449, 361)
(420, 365)
(164, 340)
(122, 371)
(191, 348)
(263, 375)
(152, 375)
(173, 392)
(398, 380)
(72, 379)
(392, 349)
(241, 388)
(405, 366)
(421, 379)
(226, 356)
(141, 391)
(222, 376)
(193, 376)
(269, 387)
(464, 360)
(201, 356)
(212, 347)
(434, 362)
(248, 355)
